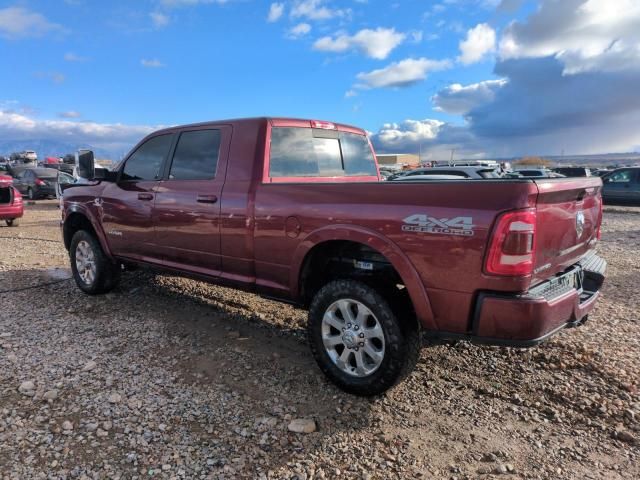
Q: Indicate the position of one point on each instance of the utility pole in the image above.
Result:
(453, 150)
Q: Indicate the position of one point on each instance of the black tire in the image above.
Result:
(107, 273)
(402, 341)
(30, 194)
(13, 222)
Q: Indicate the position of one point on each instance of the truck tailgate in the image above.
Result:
(568, 219)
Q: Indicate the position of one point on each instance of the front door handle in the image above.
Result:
(145, 196)
(207, 199)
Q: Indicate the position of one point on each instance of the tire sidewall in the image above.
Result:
(391, 368)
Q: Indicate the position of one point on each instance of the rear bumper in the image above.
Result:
(11, 212)
(528, 319)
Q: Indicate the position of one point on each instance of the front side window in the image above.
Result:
(196, 156)
(146, 161)
(307, 152)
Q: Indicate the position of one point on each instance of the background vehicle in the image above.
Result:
(537, 172)
(37, 182)
(11, 207)
(573, 171)
(295, 210)
(459, 172)
(622, 185)
(62, 167)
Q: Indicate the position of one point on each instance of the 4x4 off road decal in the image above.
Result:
(462, 226)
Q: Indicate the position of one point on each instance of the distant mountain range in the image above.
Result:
(49, 148)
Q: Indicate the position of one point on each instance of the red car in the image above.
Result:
(11, 207)
(296, 210)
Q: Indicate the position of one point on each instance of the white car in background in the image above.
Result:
(30, 156)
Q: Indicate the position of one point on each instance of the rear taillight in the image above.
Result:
(599, 226)
(17, 198)
(512, 245)
(40, 182)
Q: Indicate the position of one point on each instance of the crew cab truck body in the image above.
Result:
(296, 210)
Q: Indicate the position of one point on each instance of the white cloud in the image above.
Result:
(299, 30)
(159, 20)
(457, 99)
(480, 41)
(409, 132)
(378, 43)
(18, 22)
(401, 74)
(114, 137)
(72, 57)
(275, 12)
(152, 63)
(585, 35)
(70, 114)
(316, 10)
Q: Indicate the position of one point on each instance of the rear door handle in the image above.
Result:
(207, 199)
(145, 196)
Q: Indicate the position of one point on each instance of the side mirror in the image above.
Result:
(85, 161)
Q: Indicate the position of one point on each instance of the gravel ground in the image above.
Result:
(172, 378)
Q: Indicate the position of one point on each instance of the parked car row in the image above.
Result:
(619, 185)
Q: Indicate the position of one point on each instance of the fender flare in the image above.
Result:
(378, 242)
(83, 210)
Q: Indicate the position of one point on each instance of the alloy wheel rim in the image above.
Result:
(85, 262)
(353, 337)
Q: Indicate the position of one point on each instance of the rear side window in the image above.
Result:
(196, 156)
(307, 152)
(145, 162)
(623, 176)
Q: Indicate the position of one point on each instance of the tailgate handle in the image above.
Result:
(145, 196)
(207, 199)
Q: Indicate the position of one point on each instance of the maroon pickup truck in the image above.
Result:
(296, 210)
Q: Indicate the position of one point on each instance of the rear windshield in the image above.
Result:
(307, 152)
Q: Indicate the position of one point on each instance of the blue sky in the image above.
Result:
(441, 75)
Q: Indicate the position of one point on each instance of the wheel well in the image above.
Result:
(343, 259)
(74, 223)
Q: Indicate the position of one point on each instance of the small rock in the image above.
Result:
(6, 335)
(89, 366)
(107, 425)
(500, 470)
(101, 433)
(12, 358)
(510, 468)
(50, 395)
(302, 425)
(27, 388)
(115, 398)
(67, 425)
(92, 427)
(625, 436)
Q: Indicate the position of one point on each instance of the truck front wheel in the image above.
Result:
(93, 272)
(358, 341)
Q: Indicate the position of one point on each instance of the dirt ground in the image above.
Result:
(173, 378)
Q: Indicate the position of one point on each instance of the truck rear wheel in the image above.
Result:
(357, 339)
(93, 272)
